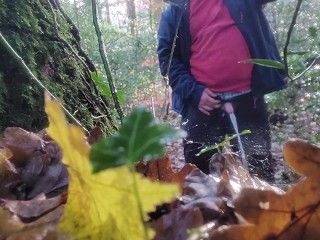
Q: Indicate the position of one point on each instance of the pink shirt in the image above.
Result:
(217, 47)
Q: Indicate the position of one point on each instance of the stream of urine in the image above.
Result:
(233, 120)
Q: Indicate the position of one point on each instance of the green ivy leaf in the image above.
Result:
(139, 138)
(265, 62)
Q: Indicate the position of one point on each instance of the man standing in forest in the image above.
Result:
(202, 45)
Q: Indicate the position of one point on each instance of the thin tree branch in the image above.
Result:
(105, 60)
(289, 34)
(307, 69)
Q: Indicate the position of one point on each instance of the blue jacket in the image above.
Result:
(252, 23)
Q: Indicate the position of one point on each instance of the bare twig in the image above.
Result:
(289, 34)
(307, 69)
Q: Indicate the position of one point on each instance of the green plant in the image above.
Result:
(223, 144)
(139, 138)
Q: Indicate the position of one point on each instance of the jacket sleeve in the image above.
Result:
(261, 2)
(180, 78)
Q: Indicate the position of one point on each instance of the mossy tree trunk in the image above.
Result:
(49, 44)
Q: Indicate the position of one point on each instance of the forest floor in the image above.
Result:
(283, 173)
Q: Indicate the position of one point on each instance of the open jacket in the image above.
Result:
(253, 25)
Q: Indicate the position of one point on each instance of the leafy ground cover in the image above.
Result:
(157, 199)
(284, 175)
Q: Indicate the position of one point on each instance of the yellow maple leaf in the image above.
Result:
(103, 205)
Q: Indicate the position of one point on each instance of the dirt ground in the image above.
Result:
(283, 173)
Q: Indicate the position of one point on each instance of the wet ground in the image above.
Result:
(284, 176)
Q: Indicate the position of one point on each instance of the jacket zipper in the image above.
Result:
(241, 17)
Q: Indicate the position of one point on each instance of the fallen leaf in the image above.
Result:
(5, 154)
(201, 191)
(95, 135)
(176, 224)
(161, 170)
(102, 205)
(30, 166)
(293, 215)
(31, 210)
(8, 174)
(233, 177)
(18, 219)
(45, 232)
(21, 143)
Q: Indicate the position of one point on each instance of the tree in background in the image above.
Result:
(132, 54)
(132, 16)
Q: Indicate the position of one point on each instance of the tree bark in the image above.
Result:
(107, 7)
(132, 16)
(49, 43)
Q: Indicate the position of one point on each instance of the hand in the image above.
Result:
(208, 102)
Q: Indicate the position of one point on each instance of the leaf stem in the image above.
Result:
(137, 195)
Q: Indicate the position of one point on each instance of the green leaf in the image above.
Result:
(223, 143)
(102, 86)
(312, 32)
(121, 96)
(265, 62)
(290, 52)
(139, 138)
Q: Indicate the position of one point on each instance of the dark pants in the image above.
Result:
(203, 130)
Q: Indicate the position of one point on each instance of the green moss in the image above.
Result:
(28, 27)
(3, 11)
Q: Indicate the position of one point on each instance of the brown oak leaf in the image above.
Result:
(175, 224)
(293, 215)
(161, 170)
